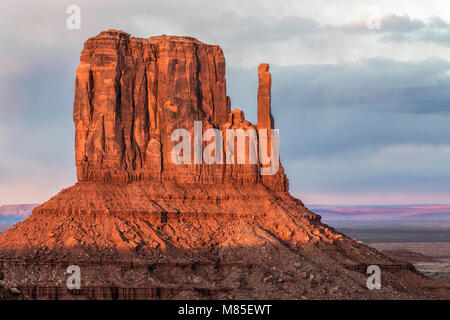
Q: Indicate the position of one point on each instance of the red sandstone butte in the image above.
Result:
(141, 227)
(131, 94)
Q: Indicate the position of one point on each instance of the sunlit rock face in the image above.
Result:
(130, 96)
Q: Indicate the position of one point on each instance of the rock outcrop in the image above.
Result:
(265, 118)
(142, 227)
(131, 94)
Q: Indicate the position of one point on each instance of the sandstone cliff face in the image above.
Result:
(131, 94)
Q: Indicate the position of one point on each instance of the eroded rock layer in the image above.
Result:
(167, 241)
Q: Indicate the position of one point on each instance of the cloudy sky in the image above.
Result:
(361, 89)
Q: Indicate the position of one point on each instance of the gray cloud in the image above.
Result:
(406, 29)
(401, 24)
(388, 24)
(373, 85)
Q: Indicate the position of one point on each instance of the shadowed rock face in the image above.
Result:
(141, 227)
(131, 94)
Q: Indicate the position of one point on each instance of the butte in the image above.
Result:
(141, 227)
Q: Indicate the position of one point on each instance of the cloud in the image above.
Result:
(401, 24)
(374, 171)
(408, 30)
(359, 129)
(372, 84)
(377, 88)
(390, 23)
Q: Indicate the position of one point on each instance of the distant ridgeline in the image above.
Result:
(393, 212)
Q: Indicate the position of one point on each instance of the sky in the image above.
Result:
(360, 89)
